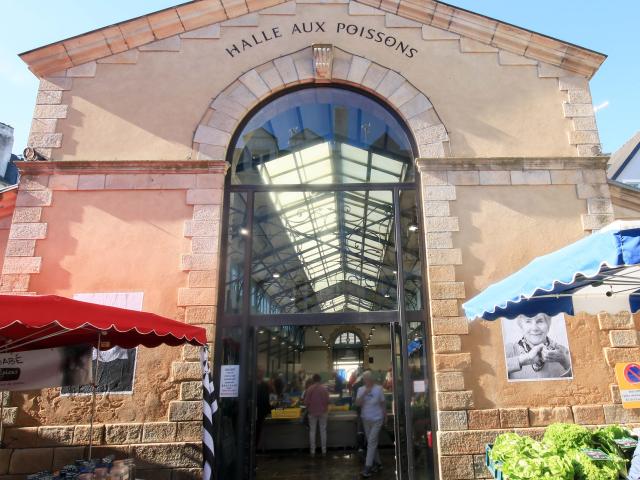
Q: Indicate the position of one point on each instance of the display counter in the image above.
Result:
(342, 429)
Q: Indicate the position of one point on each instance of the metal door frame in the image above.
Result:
(397, 320)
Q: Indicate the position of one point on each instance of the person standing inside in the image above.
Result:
(370, 399)
(338, 382)
(263, 405)
(316, 399)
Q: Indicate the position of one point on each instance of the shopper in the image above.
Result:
(263, 405)
(370, 398)
(316, 399)
(338, 383)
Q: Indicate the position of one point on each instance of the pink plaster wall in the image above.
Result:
(114, 241)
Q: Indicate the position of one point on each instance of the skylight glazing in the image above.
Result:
(324, 250)
(353, 132)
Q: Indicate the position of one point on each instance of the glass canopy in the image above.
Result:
(324, 251)
(322, 136)
(330, 248)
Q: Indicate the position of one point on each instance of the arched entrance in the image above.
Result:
(321, 222)
(348, 353)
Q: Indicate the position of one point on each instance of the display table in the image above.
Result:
(342, 429)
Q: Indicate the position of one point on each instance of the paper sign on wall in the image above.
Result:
(628, 378)
(229, 381)
(419, 386)
(51, 367)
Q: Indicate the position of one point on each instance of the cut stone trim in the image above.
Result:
(203, 183)
(164, 32)
(436, 166)
(484, 33)
(578, 107)
(20, 261)
(235, 102)
(198, 300)
(453, 399)
(37, 450)
(588, 174)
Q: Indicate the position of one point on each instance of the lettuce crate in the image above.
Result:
(494, 468)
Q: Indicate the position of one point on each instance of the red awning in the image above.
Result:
(47, 321)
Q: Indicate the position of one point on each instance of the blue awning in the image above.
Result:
(604, 266)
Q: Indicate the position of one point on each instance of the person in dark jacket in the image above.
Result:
(263, 406)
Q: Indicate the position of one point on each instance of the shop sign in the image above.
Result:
(596, 454)
(628, 378)
(51, 367)
(626, 443)
(229, 381)
(378, 38)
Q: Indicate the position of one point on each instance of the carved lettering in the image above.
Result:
(381, 37)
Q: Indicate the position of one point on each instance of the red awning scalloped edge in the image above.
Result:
(31, 322)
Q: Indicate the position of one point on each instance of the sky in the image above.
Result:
(605, 26)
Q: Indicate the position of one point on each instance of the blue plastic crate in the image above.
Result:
(494, 468)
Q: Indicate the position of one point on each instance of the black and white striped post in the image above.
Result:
(209, 408)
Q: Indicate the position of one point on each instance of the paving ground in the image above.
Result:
(337, 465)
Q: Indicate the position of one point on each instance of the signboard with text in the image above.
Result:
(628, 378)
(51, 367)
(229, 381)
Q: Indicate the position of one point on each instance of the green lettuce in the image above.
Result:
(567, 436)
(523, 458)
(560, 454)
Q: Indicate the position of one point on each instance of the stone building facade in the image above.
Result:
(135, 121)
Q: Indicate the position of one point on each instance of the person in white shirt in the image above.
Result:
(370, 398)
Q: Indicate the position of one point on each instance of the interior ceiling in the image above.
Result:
(327, 251)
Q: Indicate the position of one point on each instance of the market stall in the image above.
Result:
(599, 273)
(37, 323)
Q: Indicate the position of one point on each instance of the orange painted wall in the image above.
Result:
(114, 241)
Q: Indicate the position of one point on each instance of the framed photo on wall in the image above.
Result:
(116, 373)
(536, 348)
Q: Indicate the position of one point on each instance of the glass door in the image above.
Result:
(324, 255)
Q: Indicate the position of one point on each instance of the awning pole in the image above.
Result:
(1, 419)
(93, 395)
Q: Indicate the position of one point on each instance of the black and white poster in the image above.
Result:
(50, 367)
(116, 366)
(537, 348)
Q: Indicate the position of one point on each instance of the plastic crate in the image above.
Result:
(289, 413)
(494, 468)
(338, 408)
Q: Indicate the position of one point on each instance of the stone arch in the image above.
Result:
(227, 110)
(339, 331)
(345, 329)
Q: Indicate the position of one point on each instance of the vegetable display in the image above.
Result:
(566, 452)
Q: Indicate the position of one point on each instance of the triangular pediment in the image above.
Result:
(195, 16)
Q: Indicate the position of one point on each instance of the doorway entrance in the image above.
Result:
(321, 223)
(289, 443)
